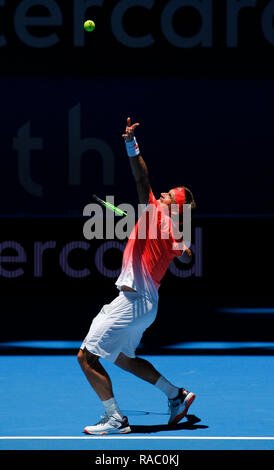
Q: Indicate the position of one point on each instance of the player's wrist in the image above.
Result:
(132, 148)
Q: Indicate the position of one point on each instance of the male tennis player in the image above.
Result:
(116, 331)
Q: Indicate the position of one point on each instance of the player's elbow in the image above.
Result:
(186, 257)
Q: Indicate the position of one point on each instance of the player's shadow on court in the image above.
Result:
(190, 425)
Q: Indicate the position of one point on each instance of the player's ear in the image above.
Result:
(193, 205)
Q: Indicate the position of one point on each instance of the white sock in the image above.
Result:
(170, 390)
(112, 408)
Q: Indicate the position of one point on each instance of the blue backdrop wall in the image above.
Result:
(198, 77)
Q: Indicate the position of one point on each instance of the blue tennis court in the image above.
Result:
(45, 403)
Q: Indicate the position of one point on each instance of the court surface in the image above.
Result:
(45, 403)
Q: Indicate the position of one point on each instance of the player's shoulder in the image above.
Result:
(151, 200)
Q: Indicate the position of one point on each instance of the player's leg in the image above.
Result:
(106, 337)
(114, 421)
(179, 399)
(96, 374)
(139, 367)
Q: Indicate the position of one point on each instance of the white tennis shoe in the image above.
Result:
(109, 425)
(178, 406)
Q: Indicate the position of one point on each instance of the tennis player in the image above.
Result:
(116, 331)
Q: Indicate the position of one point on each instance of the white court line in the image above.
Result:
(146, 438)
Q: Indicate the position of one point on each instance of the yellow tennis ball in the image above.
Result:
(89, 25)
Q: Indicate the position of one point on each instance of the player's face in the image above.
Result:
(168, 198)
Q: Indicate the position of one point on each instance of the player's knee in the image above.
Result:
(86, 358)
(81, 357)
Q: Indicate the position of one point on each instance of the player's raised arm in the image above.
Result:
(138, 166)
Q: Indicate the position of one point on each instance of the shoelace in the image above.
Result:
(170, 406)
(104, 420)
(173, 403)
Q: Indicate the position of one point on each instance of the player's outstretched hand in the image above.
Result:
(129, 132)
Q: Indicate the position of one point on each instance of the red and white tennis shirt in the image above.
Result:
(150, 249)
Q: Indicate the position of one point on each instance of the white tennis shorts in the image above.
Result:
(119, 326)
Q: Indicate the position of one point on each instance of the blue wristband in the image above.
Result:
(132, 148)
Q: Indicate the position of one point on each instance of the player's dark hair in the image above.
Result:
(190, 198)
